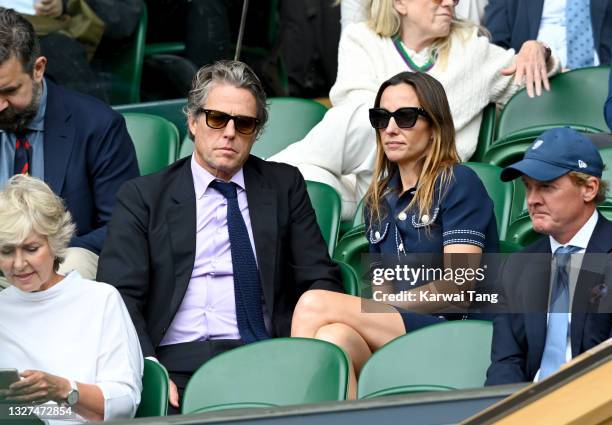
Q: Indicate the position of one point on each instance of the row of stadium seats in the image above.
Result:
(294, 371)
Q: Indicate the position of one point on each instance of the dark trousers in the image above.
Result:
(182, 360)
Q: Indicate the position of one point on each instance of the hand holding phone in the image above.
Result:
(7, 377)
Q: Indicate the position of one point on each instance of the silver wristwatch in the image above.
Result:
(73, 396)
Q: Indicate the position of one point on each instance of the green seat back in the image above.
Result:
(511, 148)
(487, 132)
(172, 110)
(327, 205)
(576, 97)
(126, 66)
(350, 249)
(290, 119)
(444, 356)
(155, 139)
(350, 280)
(154, 397)
(278, 372)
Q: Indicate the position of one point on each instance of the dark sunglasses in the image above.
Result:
(218, 119)
(404, 117)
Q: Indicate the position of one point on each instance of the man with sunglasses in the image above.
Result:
(214, 251)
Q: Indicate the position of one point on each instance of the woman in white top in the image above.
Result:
(402, 35)
(71, 339)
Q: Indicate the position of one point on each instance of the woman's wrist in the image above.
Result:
(547, 50)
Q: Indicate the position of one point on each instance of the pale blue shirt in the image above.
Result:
(553, 30)
(35, 135)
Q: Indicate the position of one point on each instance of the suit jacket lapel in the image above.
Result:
(598, 12)
(181, 219)
(591, 274)
(264, 222)
(58, 139)
(535, 322)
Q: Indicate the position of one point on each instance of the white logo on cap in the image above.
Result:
(582, 164)
(537, 144)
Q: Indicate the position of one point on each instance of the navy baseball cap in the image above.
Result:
(555, 153)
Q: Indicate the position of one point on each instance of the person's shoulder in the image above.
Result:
(360, 31)
(272, 170)
(81, 104)
(463, 176)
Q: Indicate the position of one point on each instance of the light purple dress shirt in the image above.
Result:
(208, 310)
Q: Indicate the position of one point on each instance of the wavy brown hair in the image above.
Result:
(436, 164)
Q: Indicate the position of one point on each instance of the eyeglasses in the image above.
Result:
(404, 117)
(438, 2)
(218, 119)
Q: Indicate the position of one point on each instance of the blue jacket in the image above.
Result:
(88, 155)
(518, 339)
(512, 22)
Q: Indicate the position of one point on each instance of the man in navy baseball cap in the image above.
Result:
(562, 172)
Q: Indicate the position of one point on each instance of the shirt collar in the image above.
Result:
(202, 178)
(581, 238)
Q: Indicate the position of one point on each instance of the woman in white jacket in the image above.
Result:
(417, 35)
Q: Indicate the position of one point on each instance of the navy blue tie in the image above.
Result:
(247, 286)
(23, 155)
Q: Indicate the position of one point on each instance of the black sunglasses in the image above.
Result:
(404, 117)
(218, 119)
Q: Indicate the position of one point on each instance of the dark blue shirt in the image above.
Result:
(461, 213)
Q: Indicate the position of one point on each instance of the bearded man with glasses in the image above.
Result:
(214, 251)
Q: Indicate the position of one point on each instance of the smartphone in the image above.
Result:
(7, 377)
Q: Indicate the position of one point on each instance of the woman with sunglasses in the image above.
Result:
(421, 201)
(417, 35)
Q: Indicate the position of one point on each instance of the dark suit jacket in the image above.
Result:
(88, 156)
(518, 339)
(512, 22)
(150, 250)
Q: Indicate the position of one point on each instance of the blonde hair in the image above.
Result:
(385, 21)
(580, 179)
(442, 154)
(28, 205)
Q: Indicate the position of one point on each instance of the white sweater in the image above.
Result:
(77, 329)
(344, 143)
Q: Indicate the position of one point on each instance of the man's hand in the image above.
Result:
(530, 66)
(51, 8)
(173, 397)
(39, 387)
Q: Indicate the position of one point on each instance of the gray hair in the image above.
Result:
(27, 204)
(18, 38)
(233, 73)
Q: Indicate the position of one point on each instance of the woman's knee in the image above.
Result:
(312, 303)
(340, 334)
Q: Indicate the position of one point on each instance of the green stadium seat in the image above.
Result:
(606, 155)
(126, 66)
(327, 205)
(290, 119)
(349, 278)
(440, 357)
(275, 372)
(511, 148)
(155, 139)
(350, 249)
(576, 98)
(172, 110)
(154, 397)
(501, 193)
(487, 131)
